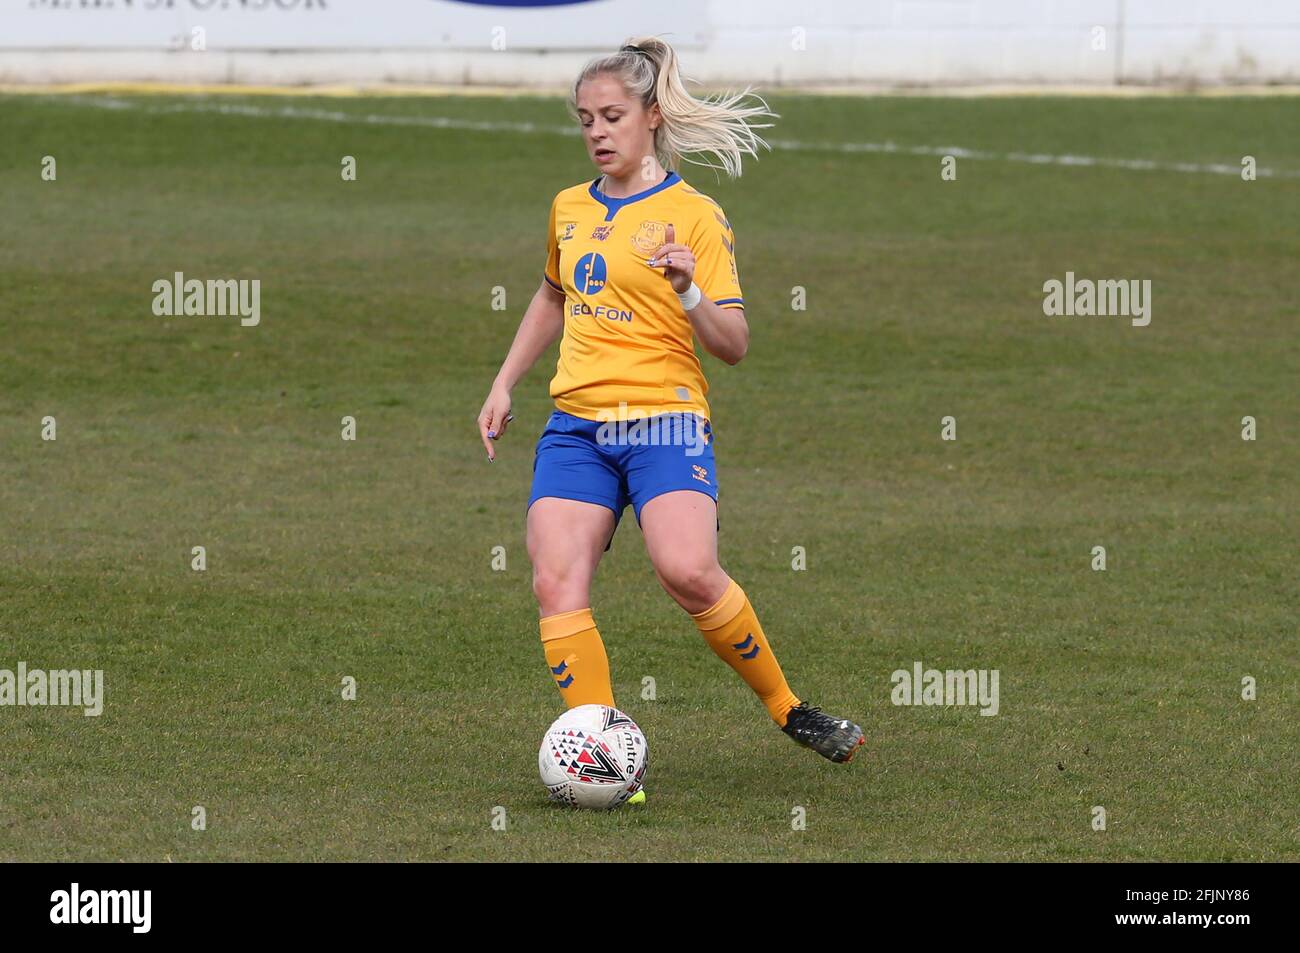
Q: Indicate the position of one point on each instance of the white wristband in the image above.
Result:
(691, 298)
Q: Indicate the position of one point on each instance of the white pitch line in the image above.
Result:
(790, 145)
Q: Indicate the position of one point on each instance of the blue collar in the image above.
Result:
(613, 205)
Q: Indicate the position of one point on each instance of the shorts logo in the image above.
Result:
(602, 232)
(589, 274)
(700, 473)
(568, 231)
(649, 237)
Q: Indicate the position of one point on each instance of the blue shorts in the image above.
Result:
(613, 464)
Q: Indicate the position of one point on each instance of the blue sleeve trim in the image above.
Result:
(552, 283)
(739, 301)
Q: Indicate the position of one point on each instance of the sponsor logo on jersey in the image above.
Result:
(602, 232)
(568, 231)
(601, 311)
(589, 275)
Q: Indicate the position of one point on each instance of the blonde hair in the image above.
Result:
(718, 127)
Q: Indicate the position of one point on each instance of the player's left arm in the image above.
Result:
(719, 318)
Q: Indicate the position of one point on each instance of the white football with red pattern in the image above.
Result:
(593, 756)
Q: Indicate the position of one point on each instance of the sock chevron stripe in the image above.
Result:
(576, 657)
(731, 628)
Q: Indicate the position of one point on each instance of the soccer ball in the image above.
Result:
(593, 756)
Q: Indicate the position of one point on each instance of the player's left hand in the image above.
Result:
(677, 261)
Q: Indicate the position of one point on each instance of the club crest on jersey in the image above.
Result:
(568, 231)
(649, 237)
(602, 232)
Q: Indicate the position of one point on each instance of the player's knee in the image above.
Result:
(548, 584)
(559, 589)
(692, 582)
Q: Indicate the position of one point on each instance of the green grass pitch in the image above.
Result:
(373, 559)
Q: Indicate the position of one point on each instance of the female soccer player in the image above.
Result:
(637, 262)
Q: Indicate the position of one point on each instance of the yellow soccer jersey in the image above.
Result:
(628, 348)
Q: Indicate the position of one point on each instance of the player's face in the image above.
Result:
(617, 130)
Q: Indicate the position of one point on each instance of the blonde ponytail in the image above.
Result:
(717, 127)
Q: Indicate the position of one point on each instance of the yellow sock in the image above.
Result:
(731, 628)
(577, 659)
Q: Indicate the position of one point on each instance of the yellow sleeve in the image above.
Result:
(552, 270)
(715, 259)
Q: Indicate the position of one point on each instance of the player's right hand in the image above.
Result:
(493, 419)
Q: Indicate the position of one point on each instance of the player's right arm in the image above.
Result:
(542, 324)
